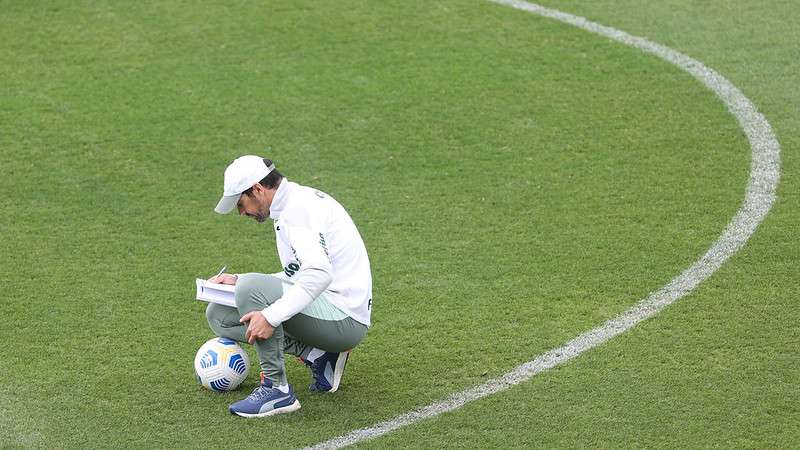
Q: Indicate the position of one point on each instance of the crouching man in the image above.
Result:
(318, 308)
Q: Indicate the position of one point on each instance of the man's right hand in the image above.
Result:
(224, 278)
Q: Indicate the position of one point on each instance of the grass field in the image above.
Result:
(517, 182)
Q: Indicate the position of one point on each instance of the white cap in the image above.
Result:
(241, 175)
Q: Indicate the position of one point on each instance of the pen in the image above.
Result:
(221, 270)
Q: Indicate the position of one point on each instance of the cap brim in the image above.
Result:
(227, 203)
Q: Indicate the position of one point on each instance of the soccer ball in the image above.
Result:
(221, 365)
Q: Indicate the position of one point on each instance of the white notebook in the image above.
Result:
(215, 293)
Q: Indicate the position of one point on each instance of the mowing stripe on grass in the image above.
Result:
(759, 197)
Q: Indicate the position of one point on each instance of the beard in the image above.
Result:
(259, 216)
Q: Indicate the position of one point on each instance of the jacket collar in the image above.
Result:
(280, 198)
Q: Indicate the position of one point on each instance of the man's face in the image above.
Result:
(253, 205)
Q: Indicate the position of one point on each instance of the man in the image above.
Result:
(318, 308)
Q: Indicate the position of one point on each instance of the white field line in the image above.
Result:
(759, 197)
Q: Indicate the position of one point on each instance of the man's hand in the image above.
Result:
(259, 328)
(223, 278)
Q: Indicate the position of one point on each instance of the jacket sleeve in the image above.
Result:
(312, 278)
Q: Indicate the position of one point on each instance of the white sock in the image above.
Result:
(314, 354)
(283, 388)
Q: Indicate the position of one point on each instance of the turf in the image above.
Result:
(516, 182)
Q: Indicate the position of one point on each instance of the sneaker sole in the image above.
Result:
(286, 409)
(338, 371)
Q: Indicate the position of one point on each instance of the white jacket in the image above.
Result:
(321, 251)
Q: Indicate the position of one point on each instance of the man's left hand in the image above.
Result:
(259, 328)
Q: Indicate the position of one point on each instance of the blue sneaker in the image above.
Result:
(266, 401)
(327, 370)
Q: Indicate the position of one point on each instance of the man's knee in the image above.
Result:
(214, 315)
(256, 291)
(247, 287)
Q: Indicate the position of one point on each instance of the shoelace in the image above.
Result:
(259, 393)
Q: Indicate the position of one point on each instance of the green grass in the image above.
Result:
(516, 181)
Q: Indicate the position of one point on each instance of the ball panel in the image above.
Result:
(237, 364)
